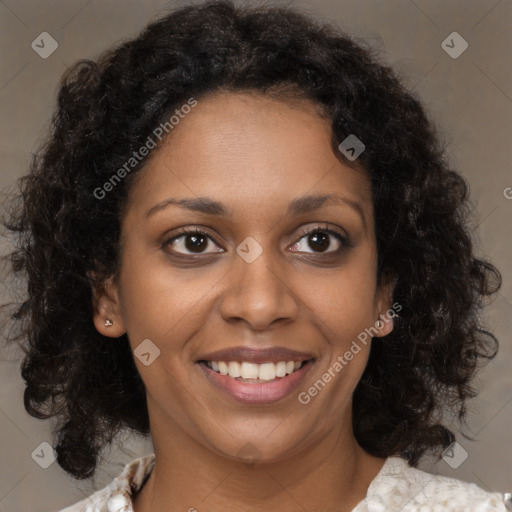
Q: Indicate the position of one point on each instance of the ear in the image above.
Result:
(107, 309)
(384, 308)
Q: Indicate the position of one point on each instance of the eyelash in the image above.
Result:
(344, 241)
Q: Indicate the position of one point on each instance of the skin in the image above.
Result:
(254, 154)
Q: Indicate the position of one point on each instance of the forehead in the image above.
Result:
(250, 151)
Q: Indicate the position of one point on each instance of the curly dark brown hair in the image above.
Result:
(108, 107)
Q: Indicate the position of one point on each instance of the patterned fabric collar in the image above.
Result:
(397, 486)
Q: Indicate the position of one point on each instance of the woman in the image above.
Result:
(243, 238)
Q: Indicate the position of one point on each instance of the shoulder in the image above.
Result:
(116, 496)
(401, 487)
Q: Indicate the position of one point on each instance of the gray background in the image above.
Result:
(470, 97)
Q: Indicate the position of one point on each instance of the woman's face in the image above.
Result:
(252, 175)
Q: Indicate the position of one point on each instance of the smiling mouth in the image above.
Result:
(252, 373)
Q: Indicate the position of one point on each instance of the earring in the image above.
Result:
(108, 323)
(379, 324)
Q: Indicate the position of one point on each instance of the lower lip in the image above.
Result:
(255, 393)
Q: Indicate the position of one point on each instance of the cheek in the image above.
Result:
(344, 325)
(159, 302)
(343, 310)
(165, 307)
(344, 302)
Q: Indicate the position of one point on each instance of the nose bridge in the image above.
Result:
(257, 291)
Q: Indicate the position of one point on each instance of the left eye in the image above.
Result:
(319, 240)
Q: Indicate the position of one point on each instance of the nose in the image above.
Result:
(259, 294)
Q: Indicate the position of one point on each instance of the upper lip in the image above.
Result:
(256, 355)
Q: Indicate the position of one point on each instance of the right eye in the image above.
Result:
(193, 240)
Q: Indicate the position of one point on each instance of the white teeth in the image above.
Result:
(234, 369)
(223, 368)
(267, 371)
(250, 371)
(281, 369)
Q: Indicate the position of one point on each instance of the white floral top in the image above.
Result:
(396, 488)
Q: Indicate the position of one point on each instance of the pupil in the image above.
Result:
(320, 237)
(197, 242)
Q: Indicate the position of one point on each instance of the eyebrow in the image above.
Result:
(298, 206)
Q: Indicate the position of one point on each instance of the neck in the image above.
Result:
(331, 475)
